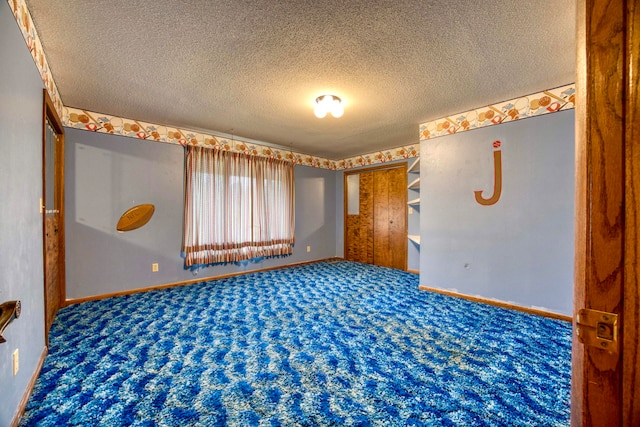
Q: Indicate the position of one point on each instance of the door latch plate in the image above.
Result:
(598, 329)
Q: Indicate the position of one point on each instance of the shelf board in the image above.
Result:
(415, 183)
(414, 201)
(415, 166)
(414, 238)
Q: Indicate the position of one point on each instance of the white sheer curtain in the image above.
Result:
(237, 207)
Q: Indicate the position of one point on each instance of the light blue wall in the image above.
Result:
(339, 192)
(106, 175)
(519, 250)
(21, 268)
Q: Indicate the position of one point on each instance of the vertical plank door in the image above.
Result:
(390, 218)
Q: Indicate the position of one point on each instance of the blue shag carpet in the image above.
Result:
(326, 344)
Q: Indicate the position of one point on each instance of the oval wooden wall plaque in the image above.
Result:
(135, 217)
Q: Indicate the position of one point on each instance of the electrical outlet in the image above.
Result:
(308, 248)
(16, 362)
(154, 267)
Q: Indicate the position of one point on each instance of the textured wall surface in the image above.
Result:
(339, 192)
(106, 175)
(21, 271)
(413, 249)
(520, 249)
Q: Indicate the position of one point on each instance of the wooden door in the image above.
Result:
(53, 210)
(606, 379)
(376, 216)
(389, 218)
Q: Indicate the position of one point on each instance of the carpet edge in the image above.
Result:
(510, 306)
(72, 301)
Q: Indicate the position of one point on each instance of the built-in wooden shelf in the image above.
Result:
(415, 166)
(414, 190)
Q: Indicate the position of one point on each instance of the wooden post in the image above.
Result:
(604, 383)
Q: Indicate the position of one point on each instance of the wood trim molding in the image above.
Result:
(53, 116)
(72, 301)
(606, 221)
(27, 393)
(413, 271)
(501, 304)
(50, 115)
(394, 165)
(631, 305)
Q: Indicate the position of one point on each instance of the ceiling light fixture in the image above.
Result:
(328, 104)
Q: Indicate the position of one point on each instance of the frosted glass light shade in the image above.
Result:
(328, 104)
(320, 111)
(337, 110)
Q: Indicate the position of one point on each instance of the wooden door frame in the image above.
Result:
(50, 115)
(631, 306)
(605, 385)
(396, 165)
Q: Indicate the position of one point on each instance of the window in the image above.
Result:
(237, 207)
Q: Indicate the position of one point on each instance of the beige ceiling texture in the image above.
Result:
(254, 68)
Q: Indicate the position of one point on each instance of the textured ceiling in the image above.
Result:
(253, 68)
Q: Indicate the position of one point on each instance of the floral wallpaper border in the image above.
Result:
(97, 122)
(537, 104)
(545, 102)
(25, 23)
